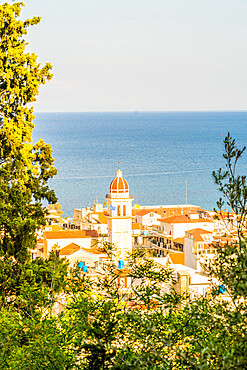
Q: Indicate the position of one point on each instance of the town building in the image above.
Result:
(176, 226)
(60, 239)
(75, 245)
(147, 218)
(171, 232)
(91, 257)
(186, 279)
(198, 247)
(92, 219)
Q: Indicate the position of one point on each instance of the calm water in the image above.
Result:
(159, 151)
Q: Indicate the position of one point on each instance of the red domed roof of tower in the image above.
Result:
(119, 185)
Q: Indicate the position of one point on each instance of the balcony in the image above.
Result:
(154, 243)
(157, 231)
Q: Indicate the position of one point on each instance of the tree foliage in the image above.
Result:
(25, 168)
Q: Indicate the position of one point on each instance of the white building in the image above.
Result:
(176, 226)
(90, 256)
(188, 280)
(60, 239)
(119, 203)
(197, 248)
(147, 218)
(91, 219)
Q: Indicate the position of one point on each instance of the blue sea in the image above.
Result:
(159, 151)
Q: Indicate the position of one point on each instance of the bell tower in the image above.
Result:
(120, 215)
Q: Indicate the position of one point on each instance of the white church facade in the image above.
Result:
(119, 205)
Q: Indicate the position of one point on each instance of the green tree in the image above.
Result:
(55, 207)
(213, 330)
(25, 168)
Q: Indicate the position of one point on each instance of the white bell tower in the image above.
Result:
(120, 215)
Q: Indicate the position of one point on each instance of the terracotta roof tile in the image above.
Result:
(197, 234)
(177, 258)
(72, 248)
(69, 249)
(179, 240)
(70, 234)
(56, 228)
(183, 219)
(144, 212)
(93, 250)
(168, 211)
(136, 226)
(101, 217)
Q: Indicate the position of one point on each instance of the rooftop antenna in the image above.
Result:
(186, 192)
(186, 201)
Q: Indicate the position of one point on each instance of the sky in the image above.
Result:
(141, 55)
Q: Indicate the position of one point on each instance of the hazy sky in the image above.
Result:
(141, 55)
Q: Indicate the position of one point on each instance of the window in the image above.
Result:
(199, 245)
(118, 211)
(124, 210)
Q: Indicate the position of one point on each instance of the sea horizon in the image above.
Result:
(151, 111)
(160, 151)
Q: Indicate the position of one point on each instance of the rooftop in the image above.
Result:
(100, 216)
(179, 240)
(136, 226)
(177, 258)
(119, 185)
(72, 248)
(183, 219)
(197, 234)
(70, 234)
